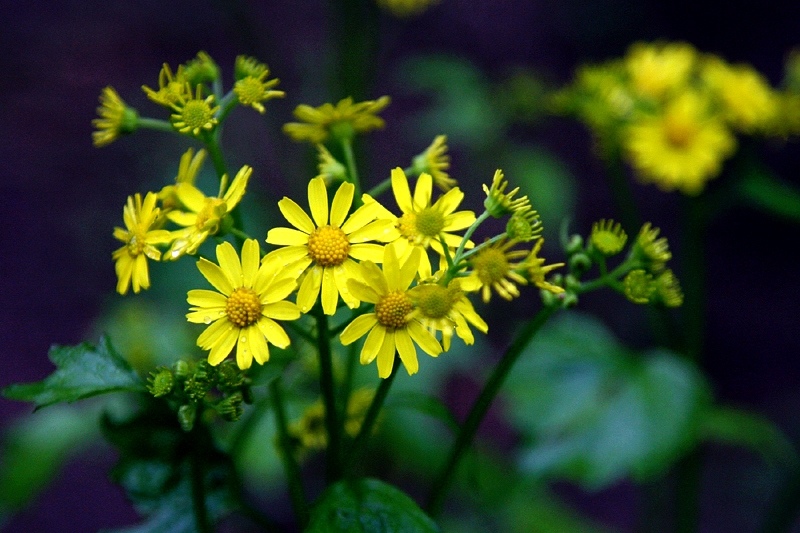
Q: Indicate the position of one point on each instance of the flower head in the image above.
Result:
(446, 309)
(435, 161)
(499, 202)
(139, 238)
(495, 267)
(344, 119)
(310, 431)
(524, 225)
(115, 118)
(651, 248)
(329, 168)
(201, 215)
(243, 313)
(252, 87)
(324, 248)
(660, 68)
(638, 286)
(668, 289)
(193, 114)
(188, 168)
(536, 270)
(390, 328)
(201, 69)
(171, 87)
(608, 237)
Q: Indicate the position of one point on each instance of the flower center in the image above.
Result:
(243, 307)
(210, 215)
(678, 131)
(136, 243)
(249, 90)
(407, 226)
(328, 246)
(491, 266)
(393, 308)
(196, 114)
(430, 222)
(434, 301)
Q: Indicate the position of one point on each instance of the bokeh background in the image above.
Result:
(61, 197)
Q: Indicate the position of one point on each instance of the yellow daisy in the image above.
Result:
(140, 240)
(115, 118)
(660, 68)
(188, 168)
(346, 117)
(435, 161)
(493, 267)
(681, 148)
(252, 87)
(323, 248)
(202, 215)
(243, 313)
(171, 87)
(193, 114)
(536, 270)
(390, 329)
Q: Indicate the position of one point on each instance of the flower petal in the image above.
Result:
(205, 315)
(330, 294)
(295, 215)
(423, 191)
(287, 237)
(361, 217)
(274, 333)
(367, 252)
(244, 357)
(281, 310)
(229, 263)
(407, 351)
(308, 292)
(318, 201)
(205, 298)
(214, 274)
(409, 269)
(373, 344)
(378, 230)
(258, 344)
(213, 333)
(458, 220)
(424, 338)
(223, 346)
(341, 276)
(342, 201)
(251, 260)
(363, 292)
(450, 201)
(402, 194)
(386, 355)
(357, 328)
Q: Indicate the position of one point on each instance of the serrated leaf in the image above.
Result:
(750, 430)
(81, 371)
(368, 506)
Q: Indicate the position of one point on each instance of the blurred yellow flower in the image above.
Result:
(656, 69)
(749, 104)
(435, 161)
(171, 87)
(345, 119)
(446, 309)
(115, 118)
(494, 267)
(406, 8)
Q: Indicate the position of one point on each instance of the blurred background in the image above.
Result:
(449, 71)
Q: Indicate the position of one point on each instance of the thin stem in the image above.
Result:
(333, 456)
(212, 145)
(352, 170)
(481, 407)
(198, 484)
(470, 230)
(380, 188)
(296, 492)
(155, 124)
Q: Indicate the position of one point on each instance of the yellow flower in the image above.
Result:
(243, 313)
(140, 240)
(254, 88)
(188, 168)
(203, 215)
(201, 69)
(493, 267)
(323, 248)
(536, 270)
(658, 69)
(446, 309)
(329, 168)
(651, 248)
(749, 103)
(390, 329)
(345, 118)
(668, 289)
(638, 286)
(499, 202)
(406, 8)
(608, 237)
(681, 148)
(115, 118)
(435, 161)
(171, 87)
(193, 114)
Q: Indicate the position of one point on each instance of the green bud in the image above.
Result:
(229, 375)
(187, 414)
(161, 382)
(574, 244)
(524, 226)
(181, 369)
(342, 131)
(580, 263)
(230, 408)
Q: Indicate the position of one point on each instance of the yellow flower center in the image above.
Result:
(136, 243)
(196, 114)
(210, 215)
(491, 266)
(328, 246)
(678, 131)
(430, 222)
(243, 307)
(435, 301)
(393, 308)
(407, 226)
(249, 90)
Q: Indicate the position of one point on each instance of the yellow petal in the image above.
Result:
(409, 269)
(367, 252)
(287, 237)
(283, 257)
(244, 357)
(458, 221)
(357, 328)
(402, 194)
(330, 295)
(223, 347)
(391, 268)
(309, 289)
(407, 351)
(464, 307)
(282, 310)
(424, 338)
(340, 276)
(450, 201)
(251, 260)
(318, 201)
(213, 333)
(205, 315)
(273, 332)
(373, 277)
(229, 263)
(360, 217)
(423, 191)
(373, 344)
(363, 292)
(295, 215)
(258, 345)
(386, 355)
(378, 230)
(342, 201)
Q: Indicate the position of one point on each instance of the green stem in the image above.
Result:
(481, 407)
(211, 142)
(467, 234)
(352, 170)
(380, 188)
(333, 456)
(155, 124)
(197, 473)
(296, 491)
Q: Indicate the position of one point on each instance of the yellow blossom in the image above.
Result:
(346, 118)
(188, 168)
(435, 161)
(656, 69)
(608, 237)
(140, 239)
(324, 248)
(390, 328)
(536, 270)
(651, 248)
(446, 309)
(115, 118)
(310, 431)
(499, 202)
(668, 289)
(243, 313)
(749, 104)
(494, 267)
(193, 114)
(329, 168)
(638, 286)
(202, 215)
(201, 69)
(253, 88)
(171, 87)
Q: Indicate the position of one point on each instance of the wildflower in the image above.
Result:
(668, 289)
(390, 328)
(252, 86)
(493, 267)
(243, 313)
(657, 69)
(651, 248)
(608, 237)
(524, 225)
(140, 239)
(171, 87)
(193, 114)
(500, 203)
(345, 119)
(245, 66)
(406, 8)
(435, 161)
(201, 69)
(536, 271)
(329, 168)
(115, 118)
(188, 168)
(323, 248)
(202, 215)
(638, 286)
(446, 309)
(682, 147)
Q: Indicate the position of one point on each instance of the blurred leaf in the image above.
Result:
(750, 430)
(595, 413)
(368, 506)
(81, 371)
(763, 189)
(424, 404)
(35, 448)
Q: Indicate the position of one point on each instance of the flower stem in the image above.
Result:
(198, 484)
(333, 457)
(481, 406)
(296, 493)
(155, 124)
(380, 188)
(352, 170)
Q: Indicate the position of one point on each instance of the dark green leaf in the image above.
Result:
(765, 190)
(751, 430)
(368, 506)
(81, 371)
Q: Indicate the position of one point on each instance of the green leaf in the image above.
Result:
(763, 189)
(81, 371)
(750, 430)
(595, 413)
(368, 506)
(425, 404)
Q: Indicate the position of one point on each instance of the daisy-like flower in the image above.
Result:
(252, 87)
(681, 148)
(446, 309)
(171, 87)
(494, 267)
(638, 286)
(193, 114)
(668, 289)
(536, 270)
(608, 237)
(524, 225)
(435, 161)
(140, 242)
(657, 69)
(390, 329)
(346, 118)
(115, 118)
(499, 202)
(201, 215)
(243, 313)
(188, 168)
(324, 248)
(201, 69)
(422, 224)
(651, 248)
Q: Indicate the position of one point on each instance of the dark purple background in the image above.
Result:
(61, 197)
